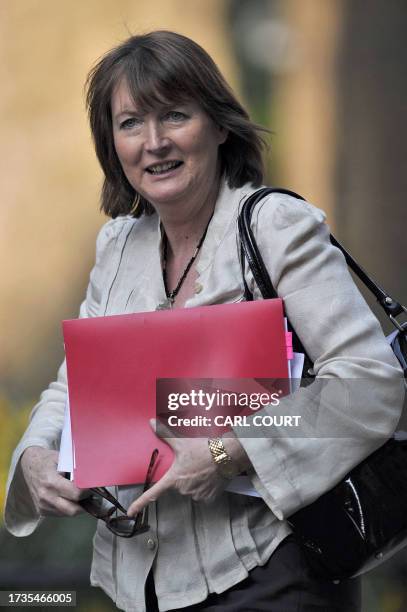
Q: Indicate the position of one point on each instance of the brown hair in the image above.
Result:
(159, 67)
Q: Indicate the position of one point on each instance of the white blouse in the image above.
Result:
(197, 548)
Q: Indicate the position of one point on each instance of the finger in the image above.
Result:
(163, 432)
(67, 488)
(70, 490)
(61, 507)
(84, 494)
(58, 486)
(160, 429)
(150, 495)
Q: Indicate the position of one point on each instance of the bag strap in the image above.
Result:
(250, 251)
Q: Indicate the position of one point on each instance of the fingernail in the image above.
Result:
(152, 422)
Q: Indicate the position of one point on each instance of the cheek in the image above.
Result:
(124, 149)
(204, 147)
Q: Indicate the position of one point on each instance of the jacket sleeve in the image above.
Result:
(46, 418)
(355, 402)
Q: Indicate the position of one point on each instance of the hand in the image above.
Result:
(193, 471)
(53, 495)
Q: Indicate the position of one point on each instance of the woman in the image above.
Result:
(179, 155)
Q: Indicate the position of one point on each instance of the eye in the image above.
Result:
(130, 123)
(175, 116)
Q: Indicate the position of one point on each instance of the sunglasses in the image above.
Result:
(121, 525)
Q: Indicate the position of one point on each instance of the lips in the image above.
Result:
(163, 167)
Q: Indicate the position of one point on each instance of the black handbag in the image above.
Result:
(361, 521)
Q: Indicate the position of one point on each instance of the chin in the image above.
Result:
(165, 196)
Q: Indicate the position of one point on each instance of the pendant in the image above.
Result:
(166, 305)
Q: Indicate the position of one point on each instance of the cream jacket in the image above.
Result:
(197, 548)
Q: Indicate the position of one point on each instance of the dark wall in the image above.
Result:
(371, 177)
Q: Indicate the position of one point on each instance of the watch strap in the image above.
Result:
(223, 461)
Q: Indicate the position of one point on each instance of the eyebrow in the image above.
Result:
(163, 107)
(127, 111)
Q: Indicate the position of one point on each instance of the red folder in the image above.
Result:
(113, 363)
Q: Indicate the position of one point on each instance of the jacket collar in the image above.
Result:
(227, 206)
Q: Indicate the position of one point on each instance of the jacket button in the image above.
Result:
(150, 543)
(198, 287)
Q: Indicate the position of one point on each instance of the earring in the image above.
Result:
(135, 205)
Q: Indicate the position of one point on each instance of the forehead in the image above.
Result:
(124, 98)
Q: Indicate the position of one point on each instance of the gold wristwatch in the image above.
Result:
(227, 467)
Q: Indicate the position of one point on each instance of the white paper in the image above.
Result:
(297, 364)
(66, 459)
(242, 485)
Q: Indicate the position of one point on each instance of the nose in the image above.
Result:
(156, 139)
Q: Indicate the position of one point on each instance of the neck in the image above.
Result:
(184, 223)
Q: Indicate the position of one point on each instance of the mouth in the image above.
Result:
(164, 167)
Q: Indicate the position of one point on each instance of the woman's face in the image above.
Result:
(169, 154)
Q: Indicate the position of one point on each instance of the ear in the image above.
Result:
(223, 134)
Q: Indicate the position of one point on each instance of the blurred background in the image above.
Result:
(326, 76)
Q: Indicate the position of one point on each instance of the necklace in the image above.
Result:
(171, 295)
